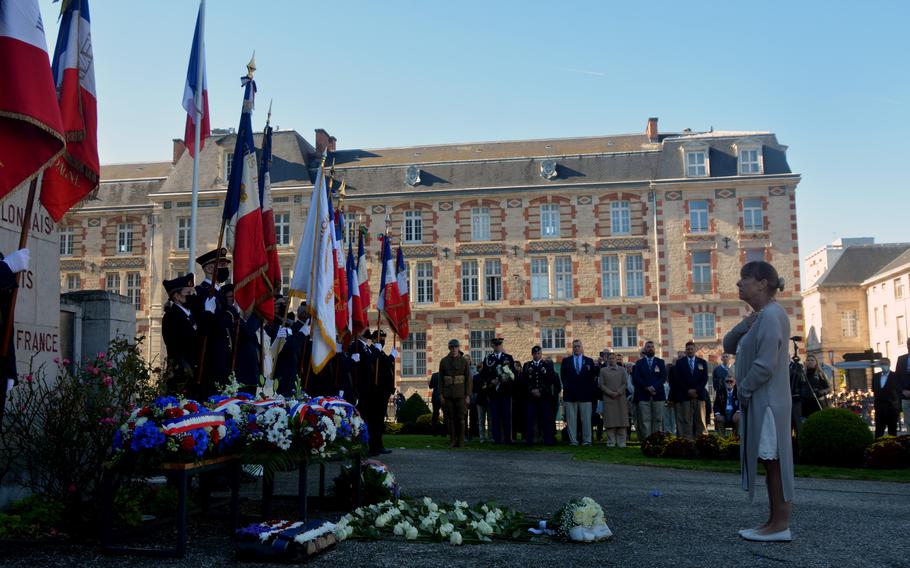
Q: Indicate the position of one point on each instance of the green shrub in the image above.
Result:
(424, 420)
(33, 517)
(887, 453)
(731, 448)
(412, 408)
(835, 437)
(679, 448)
(393, 427)
(655, 444)
(710, 446)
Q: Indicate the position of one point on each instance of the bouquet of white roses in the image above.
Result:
(579, 520)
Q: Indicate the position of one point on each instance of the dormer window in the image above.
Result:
(696, 159)
(749, 156)
(695, 164)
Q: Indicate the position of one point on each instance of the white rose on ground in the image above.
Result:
(446, 529)
(410, 533)
(455, 538)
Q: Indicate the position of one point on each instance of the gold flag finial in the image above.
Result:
(251, 66)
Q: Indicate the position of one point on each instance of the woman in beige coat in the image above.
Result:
(612, 381)
(760, 342)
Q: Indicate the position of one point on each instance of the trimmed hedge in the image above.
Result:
(412, 409)
(887, 453)
(834, 437)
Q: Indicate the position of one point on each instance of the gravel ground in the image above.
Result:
(659, 517)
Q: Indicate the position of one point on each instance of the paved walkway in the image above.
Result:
(693, 521)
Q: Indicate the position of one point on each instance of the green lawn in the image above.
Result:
(633, 456)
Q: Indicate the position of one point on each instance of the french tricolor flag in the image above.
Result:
(75, 174)
(193, 84)
(363, 272)
(31, 130)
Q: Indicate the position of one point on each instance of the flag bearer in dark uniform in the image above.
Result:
(217, 364)
(10, 266)
(182, 333)
(498, 377)
(455, 384)
(385, 363)
(540, 386)
(366, 384)
(288, 341)
(245, 343)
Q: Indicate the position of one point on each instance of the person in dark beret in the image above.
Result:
(182, 332)
(217, 364)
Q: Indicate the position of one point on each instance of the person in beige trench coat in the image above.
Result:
(613, 381)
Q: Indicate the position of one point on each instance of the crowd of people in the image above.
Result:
(208, 340)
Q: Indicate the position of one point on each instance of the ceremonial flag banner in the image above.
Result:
(393, 291)
(342, 314)
(359, 318)
(243, 214)
(363, 276)
(314, 276)
(193, 83)
(268, 221)
(31, 129)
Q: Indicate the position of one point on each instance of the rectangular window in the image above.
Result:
(695, 164)
(540, 279)
(625, 337)
(183, 233)
(704, 325)
(701, 272)
(134, 289)
(549, 220)
(480, 224)
(112, 282)
(228, 165)
(898, 288)
(492, 271)
(748, 162)
(635, 276)
(125, 238)
(285, 281)
(469, 281)
(424, 282)
(901, 331)
(413, 227)
(753, 215)
(414, 355)
(282, 229)
(609, 272)
(66, 241)
(848, 324)
(350, 231)
(885, 316)
(553, 339)
(563, 277)
(875, 317)
(755, 255)
(73, 282)
(479, 342)
(698, 217)
(888, 349)
(620, 218)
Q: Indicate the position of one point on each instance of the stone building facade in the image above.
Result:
(612, 240)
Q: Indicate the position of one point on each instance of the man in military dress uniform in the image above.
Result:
(216, 367)
(182, 332)
(287, 338)
(385, 366)
(365, 371)
(540, 385)
(455, 384)
(10, 266)
(498, 388)
(244, 343)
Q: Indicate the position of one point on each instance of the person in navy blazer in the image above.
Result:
(648, 377)
(579, 379)
(887, 400)
(691, 374)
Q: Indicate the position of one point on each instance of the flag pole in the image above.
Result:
(11, 314)
(196, 139)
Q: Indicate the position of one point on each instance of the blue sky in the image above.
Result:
(830, 78)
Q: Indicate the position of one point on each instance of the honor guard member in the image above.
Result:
(540, 386)
(10, 266)
(498, 367)
(217, 364)
(182, 333)
(455, 383)
(366, 383)
(286, 344)
(385, 367)
(245, 343)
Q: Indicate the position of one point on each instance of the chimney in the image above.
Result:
(179, 149)
(324, 142)
(651, 131)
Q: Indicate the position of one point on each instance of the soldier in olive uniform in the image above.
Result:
(540, 386)
(455, 379)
